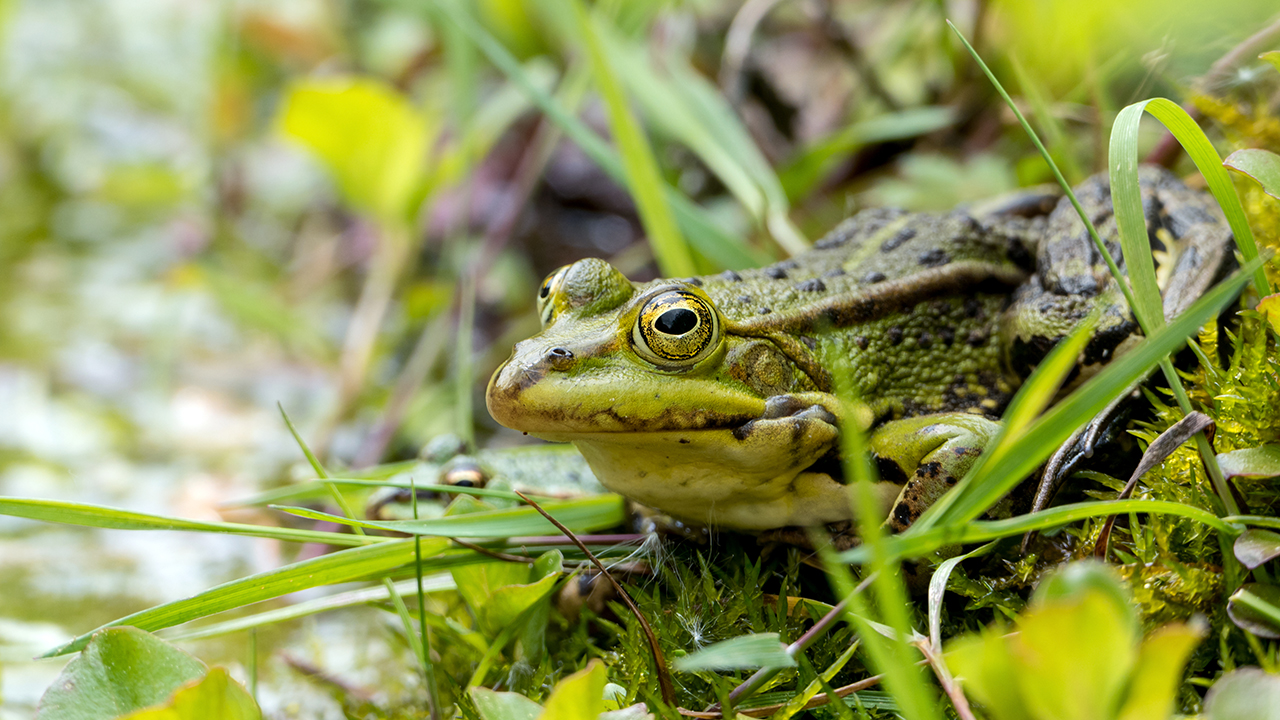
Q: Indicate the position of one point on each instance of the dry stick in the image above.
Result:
(1166, 151)
(1159, 449)
(505, 557)
(664, 676)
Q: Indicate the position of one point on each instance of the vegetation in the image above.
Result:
(350, 190)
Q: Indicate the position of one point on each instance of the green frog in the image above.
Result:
(710, 398)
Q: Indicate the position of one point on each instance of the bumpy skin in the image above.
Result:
(710, 399)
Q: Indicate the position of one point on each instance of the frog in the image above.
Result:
(712, 398)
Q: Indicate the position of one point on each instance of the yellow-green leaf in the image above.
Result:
(982, 664)
(369, 137)
(214, 697)
(579, 696)
(1154, 680)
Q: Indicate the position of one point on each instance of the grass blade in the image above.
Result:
(581, 515)
(342, 566)
(109, 518)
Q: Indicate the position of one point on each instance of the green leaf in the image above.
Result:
(114, 519)
(643, 177)
(1077, 580)
(1258, 462)
(1255, 547)
(1261, 165)
(579, 696)
(121, 670)
(1256, 607)
(214, 697)
(1154, 681)
(510, 601)
(747, 651)
(342, 566)
(1244, 694)
(982, 662)
(369, 137)
(1272, 57)
(580, 515)
(493, 705)
(1073, 658)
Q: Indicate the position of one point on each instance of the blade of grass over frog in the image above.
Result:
(114, 519)
(938, 587)
(342, 566)
(641, 167)
(316, 488)
(894, 656)
(1030, 400)
(1124, 157)
(708, 237)
(916, 545)
(744, 651)
(582, 515)
(799, 176)
(1049, 431)
(339, 601)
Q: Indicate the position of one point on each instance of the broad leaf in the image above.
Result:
(1244, 694)
(494, 705)
(1255, 547)
(1258, 462)
(214, 697)
(1154, 682)
(1256, 607)
(1261, 165)
(579, 696)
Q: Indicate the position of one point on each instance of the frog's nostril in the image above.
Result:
(559, 358)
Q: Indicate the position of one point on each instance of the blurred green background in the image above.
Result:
(344, 207)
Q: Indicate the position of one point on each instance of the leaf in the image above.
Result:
(1263, 166)
(1078, 580)
(1244, 694)
(1259, 462)
(579, 696)
(1256, 607)
(214, 697)
(369, 137)
(1255, 547)
(121, 670)
(1272, 57)
(1073, 658)
(1269, 306)
(1153, 684)
(747, 651)
(494, 705)
(982, 662)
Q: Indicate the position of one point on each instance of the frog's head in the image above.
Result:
(614, 356)
(668, 401)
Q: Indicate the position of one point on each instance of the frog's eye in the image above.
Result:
(546, 295)
(676, 328)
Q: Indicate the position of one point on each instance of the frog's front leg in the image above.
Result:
(926, 456)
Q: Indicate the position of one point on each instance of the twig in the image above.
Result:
(933, 655)
(659, 661)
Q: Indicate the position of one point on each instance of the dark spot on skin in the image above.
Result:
(947, 335)
(902, 236)
(809, 342)
(902, 516)
(929, 469)
(933, 258)
(833, 272)
(812, 285)
(894, 335)
(730, 276)
(764, 310)
(685, 441)
(872, 278)
(693, 281)
(744, 299)
(951, 480)
(972, 307)
(926, 340)
(976, 338)
(862, 342)
(889, 471)
(776, 272)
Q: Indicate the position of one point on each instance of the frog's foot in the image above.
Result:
(927, 456)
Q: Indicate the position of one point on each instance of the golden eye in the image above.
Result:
(676, 328)
(547, 293)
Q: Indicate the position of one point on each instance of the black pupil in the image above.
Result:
(545, 291)
(676, 322)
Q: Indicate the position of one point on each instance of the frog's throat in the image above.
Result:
(760, 480)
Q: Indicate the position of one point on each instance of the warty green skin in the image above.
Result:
(938, 318)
